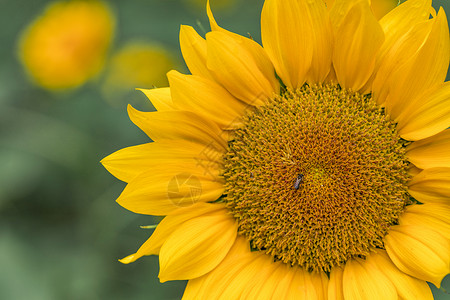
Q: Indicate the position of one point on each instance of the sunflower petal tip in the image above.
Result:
(129, 259)
(212, 21)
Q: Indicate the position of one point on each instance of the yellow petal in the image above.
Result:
(432, 152)
(363, 281)
(167, 187)
(429, 115)
(264, 278)
(168, 225)
(321, 62)
(407, 287)
(207, 98)
(127, 163)
(241, 66)
(302, 286)
(431, 186)
(178, 125)
(199, 288)
(212, 21)
(435, 216)
(287, 34)
(395, 53)
(401, 29)
(245, 55)
(382, 7)
(425, 69)
(193, 48)
(419, 252)
(335, 286)
(197, 247)
(357, 40)
(256, 271)
(277, 285)
(413, 171)
(230, 281)
(193, 287)
(379, 7)
(320, 282)
(160, 98)
(399, 20)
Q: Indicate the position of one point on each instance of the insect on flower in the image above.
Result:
(298, 181)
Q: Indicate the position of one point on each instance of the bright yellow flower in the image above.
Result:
(67, 44)
(137, 64)
(322, 159)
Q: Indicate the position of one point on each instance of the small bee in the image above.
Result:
(298, 181)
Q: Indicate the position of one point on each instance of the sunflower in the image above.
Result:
(321, 158)
(67, 44)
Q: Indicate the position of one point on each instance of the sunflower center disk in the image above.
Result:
(316, 176)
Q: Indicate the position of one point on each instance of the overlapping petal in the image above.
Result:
(421, 71)
(407, 287)
(196, 288)
(403, 28)
(382, 7)
(428, 115)
(168, 225)
(234, 277)
(379, 7)
(321, 63)
(302, 286)
(127, 163)
(197, 247)
(178, 125)
(160, 98)
(401, 19)
(395, 53)
(207, 98)
(276, 285)
(431, 185)
(165, 188)
(193, 48)
(435, 216)
(358, 38)
(320, 281)
(241, 66)
(419, 251)
(364, 281)
(253, 275)
(432, 152)
(335, 285)
(287, 32)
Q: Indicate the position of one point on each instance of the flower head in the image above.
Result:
(321, 156)
(67, 44)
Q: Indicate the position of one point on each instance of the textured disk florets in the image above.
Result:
(316, 176)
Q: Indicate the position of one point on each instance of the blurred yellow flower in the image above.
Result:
(67, 44)
(137, 64)
(140, 64)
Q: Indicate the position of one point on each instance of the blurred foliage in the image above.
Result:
(61, 232)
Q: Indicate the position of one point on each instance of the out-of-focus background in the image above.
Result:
(64, 88)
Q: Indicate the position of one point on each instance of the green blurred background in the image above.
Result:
(61, 232)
